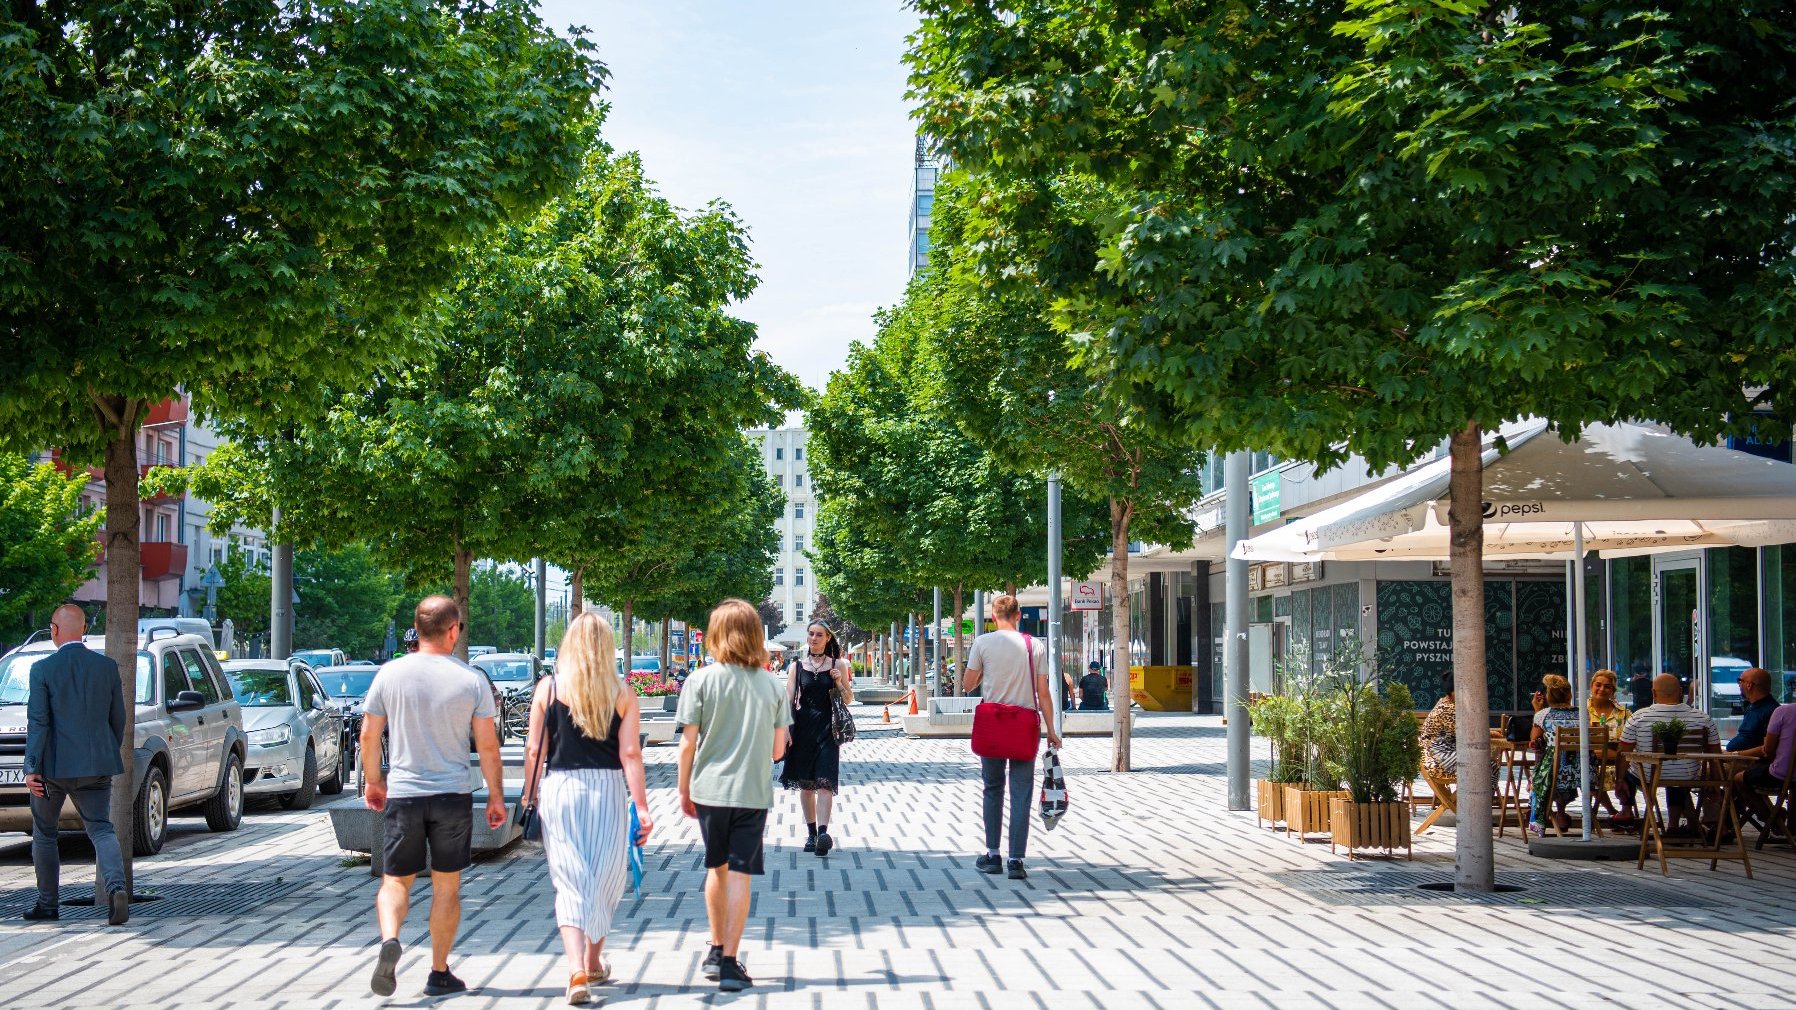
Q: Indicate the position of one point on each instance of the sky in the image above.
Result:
(791, 111)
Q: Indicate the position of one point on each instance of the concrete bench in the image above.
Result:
(953, 718)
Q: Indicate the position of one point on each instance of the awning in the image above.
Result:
(1635, 488)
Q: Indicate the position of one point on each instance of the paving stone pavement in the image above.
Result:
(1149, 894)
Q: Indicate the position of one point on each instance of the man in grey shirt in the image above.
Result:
(428, 705)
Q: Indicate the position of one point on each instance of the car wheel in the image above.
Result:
(224, 811)
(149, 821)
(334, 785)
(308, 785)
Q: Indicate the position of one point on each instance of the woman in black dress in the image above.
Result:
(813, 760)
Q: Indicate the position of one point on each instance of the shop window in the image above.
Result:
(1262, 610)
(1631, 621)
(1733, 624)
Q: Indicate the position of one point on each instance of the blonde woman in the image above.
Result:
(586, 722)
(1607, 713)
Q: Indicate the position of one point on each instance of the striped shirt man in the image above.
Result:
(1640, 727)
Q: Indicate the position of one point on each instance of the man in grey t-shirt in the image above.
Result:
(428, 705)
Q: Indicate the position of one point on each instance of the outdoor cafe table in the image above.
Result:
(1715, 771)
(1518, 764)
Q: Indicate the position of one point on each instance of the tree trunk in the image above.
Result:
(960, 642)
(629, 636)
(123, 583)
(576, 594)
(464, 566)
(1120, 516)
(1476, 870)
(666, 646)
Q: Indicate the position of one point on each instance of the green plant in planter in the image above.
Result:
(1376, 736)
(1670, 734)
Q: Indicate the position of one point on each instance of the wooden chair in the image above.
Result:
(1710, 775)
(1779, 818)
(1446, 795)
(1565, 741)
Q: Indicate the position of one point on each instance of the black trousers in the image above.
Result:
(1021, 776)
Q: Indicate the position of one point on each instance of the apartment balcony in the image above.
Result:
(162, 559)
(170, 411)
(63, 467)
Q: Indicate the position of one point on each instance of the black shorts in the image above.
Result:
(1759, 777)
(443, 823)
(732, 835)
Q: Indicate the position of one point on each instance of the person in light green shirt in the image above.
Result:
(734, 719)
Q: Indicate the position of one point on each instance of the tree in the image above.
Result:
(246, 201)
(346, 599)
(47, 542)
(1329, 231)
(1005, 375)
(558, 394)
(772, 614)
(501, 608)
(847, 632)
(244, 597)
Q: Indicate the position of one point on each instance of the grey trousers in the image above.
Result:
(1022, 783)
(93, 801)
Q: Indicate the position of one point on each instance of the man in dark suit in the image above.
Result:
(75, 722)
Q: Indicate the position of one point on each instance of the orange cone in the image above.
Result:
(887, 715)
(913, 701)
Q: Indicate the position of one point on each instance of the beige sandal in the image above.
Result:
(578, 993)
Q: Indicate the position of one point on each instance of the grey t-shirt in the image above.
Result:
(430, 704)
(1005, 666)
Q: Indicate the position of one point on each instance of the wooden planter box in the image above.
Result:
(1368, 826)
(1306, 810)
(1271, 806)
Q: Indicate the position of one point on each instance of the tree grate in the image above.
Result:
(1401, 886)
(171, 900)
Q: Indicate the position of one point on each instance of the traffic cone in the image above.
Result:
(913, 701)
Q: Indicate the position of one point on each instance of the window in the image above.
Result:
(197, 678)
(779, 576)
(779, 452)
(162, 527)
(800, 610)
(798, 543)
(798, 453)
(798, 510)
(798, 480)
(307, 690)
(798, 576)
(780, 478)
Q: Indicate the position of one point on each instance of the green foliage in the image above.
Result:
(847, 632)
(246, 594)
(1669, 734)
(1378, 745)
(1301, 720)
(248, 200)
(345, 600)
(501, 608)
(48, 542)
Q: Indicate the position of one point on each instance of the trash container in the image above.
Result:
(1161, 688)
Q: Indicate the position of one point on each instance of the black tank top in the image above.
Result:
(570, 747)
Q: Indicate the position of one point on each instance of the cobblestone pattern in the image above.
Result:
(1148, 895)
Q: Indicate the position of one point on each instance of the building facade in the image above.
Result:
(794, 583)
(925, 171)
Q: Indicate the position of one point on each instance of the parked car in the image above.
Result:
(180, 626)
(515, 675)
(481, 650)
(346, 686)
(188, 738)
(295, 734)
(361, 662)
(316, 658)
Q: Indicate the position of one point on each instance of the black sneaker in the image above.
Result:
(1016, 870)
(810, 844)
(711, 967)
(824, 843)
(988, 863)
(731, 976)
(443, 983)
(42, 913)
(119, 908)
(384, 982)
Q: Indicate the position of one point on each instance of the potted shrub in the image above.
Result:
(1275, 716)
(648, 685)
(1315, 767)
(1380, 752)
(1670, 734)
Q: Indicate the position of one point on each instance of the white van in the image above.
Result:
(180, 626)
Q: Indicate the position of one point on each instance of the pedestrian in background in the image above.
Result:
(75, 723)
(1094, 689)
(428, 704)
(813, 762)
(733, 720)
(1011, 669)
(585, 742)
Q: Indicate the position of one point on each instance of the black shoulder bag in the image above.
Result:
(530, 822)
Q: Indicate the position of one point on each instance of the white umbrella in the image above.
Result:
(1621, 489)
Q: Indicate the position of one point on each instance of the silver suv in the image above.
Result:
(189, 738)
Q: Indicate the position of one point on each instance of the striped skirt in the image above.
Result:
(586, 825)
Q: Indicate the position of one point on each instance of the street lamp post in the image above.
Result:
(1234, 696)
(542, 607)
(1055, 685)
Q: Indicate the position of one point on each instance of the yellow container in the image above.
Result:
(1161, 688)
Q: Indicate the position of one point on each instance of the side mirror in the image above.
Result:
(186, 701)
(317, 703)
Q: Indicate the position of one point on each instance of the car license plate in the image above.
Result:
(12, 776)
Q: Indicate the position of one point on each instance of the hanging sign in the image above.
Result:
(1087, 596)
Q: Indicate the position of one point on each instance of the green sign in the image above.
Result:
(1265, 498)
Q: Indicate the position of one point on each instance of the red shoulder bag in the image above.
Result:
(1011, 732)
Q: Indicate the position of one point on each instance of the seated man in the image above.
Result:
(1637, 735)
(1774, 753)
(1093, 687)
(1755, 691)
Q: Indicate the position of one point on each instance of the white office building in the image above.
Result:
(794, 583)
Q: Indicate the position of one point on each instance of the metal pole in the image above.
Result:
(542, 607)
(911, 651)
(280, 595)
(1583, 678)
(935, 643)
(1055, 681)
(1234, 708)
(892, 665)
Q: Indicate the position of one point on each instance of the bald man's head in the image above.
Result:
(1667, 689)
(1755, 683)
(67, 624)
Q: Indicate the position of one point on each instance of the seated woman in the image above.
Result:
(1607, 713)
(1440, 750)
(1553, 787)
